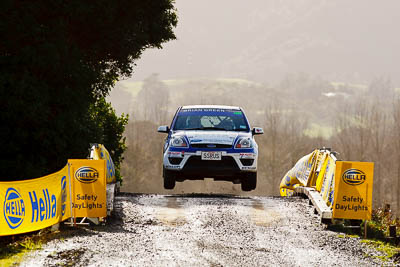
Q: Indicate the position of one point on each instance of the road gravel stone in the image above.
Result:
(206, 230)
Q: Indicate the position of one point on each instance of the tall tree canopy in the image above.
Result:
(58, 59)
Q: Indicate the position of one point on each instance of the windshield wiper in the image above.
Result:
(208, 128)
(192, 129)
(215, 128)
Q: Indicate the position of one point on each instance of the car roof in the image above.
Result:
(211, 106)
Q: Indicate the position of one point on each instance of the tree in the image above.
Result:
(107, 128)
(353, 133)
(378, 128)
(361, 130)
(396, 137)
(380, 87)
(152, 100)
(284, 142)
(274, 130)
(57, 59)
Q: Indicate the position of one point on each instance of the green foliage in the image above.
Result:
(13, 248)
(382, 218)
(107, 128)
(377, 233)
(377, 227)
(389, 250)
(57, 59)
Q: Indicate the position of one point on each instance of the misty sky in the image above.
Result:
(262, 40)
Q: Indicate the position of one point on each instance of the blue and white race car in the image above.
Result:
(210, 142)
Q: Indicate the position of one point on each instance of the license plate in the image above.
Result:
(211, 155)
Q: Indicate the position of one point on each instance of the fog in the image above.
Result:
(263, 40)
(313, 73)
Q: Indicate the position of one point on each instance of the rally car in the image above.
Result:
(210, 142)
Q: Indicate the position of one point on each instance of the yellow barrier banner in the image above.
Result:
(288, 184)
(321, 174)
(31, 205)
(304, 167)
(317, 167)
(353, 190)
(298, 175)
(314, 170)
(99, 151)
(328, 182)
(88, 187)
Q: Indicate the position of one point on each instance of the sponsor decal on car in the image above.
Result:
(234, 111)
(174, 154)
(248, 168)
(247, 155)
(172, 167)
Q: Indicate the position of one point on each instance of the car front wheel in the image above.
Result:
(249, 182)
(169, 179)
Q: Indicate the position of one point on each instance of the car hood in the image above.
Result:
(212, 137)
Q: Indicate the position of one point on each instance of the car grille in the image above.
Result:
(226, 163)
(211, 146)
(247, 162)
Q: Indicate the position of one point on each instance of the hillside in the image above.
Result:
(307, 98)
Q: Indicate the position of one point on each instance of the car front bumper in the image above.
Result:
(189, 163)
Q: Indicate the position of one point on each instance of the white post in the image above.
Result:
(70, 191)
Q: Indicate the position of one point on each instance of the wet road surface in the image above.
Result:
(205, 230)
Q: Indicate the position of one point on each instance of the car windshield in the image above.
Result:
(211, 119)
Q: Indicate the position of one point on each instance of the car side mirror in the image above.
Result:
(163, 129)
(257, 130)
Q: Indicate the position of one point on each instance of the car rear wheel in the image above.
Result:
(249, 182)
(169, 179)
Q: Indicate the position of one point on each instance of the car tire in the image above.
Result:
(249, 182)
(169, 179)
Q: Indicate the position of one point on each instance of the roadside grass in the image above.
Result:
(390, 251)
(14, 248)
(382, 218)
(378, 235)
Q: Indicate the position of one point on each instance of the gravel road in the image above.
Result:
(205, 230)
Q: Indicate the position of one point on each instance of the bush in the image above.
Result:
(107, 129)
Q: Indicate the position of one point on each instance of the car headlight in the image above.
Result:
(178, 141)
(244, 142)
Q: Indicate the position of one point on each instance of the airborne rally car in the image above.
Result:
(210, 142)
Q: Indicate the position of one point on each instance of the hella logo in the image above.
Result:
(354, 177)
(14, 208)
(86, 175)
